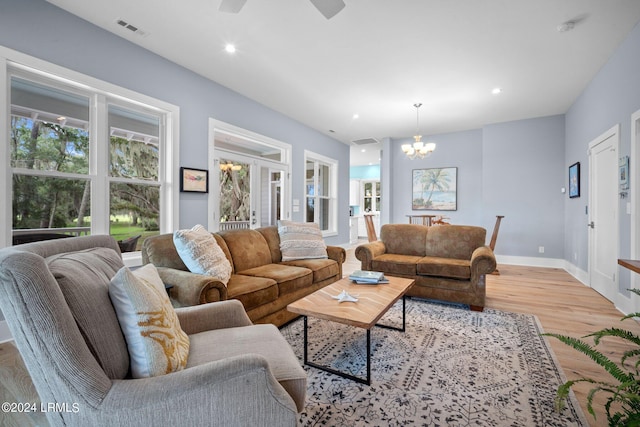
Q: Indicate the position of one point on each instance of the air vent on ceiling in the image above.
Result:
(132, 28)
(365, 141)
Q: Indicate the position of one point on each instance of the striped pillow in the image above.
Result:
(301, 240)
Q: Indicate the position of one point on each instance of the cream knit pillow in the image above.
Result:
(201, 253)
(157, 344)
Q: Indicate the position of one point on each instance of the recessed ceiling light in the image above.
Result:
(230, 48)
(363, 150)
(356, 116)
(496, 91)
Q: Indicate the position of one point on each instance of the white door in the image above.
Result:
(603, 213)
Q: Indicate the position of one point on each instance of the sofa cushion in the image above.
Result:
(404, 239)
(201, 253)
(264, 340)
(402, 265)
(252, 291)
(156, 342)
(83, 278)
(301, 240)
(454, 241)
(248, 249)
(288, 277)
(322, 268)
(272, 237)
(444, 267)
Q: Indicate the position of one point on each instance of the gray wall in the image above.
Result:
(609, 99)
(513, 169)
(522, 177)
(44, 31)
(462, 150)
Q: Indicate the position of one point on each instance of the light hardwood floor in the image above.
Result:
(562, 304)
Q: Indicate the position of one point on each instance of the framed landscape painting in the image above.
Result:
(574, 180)
(435, 189)
(194, 180)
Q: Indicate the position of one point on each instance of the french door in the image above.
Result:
(250, 191)
(250, 183)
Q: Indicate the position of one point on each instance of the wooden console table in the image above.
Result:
(633, 265)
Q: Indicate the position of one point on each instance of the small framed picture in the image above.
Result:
(194, 180)
(624, 173)
(574, 180)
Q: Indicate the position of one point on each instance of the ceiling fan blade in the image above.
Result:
(231, 6)
(328, 7)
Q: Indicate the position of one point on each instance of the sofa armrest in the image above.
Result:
(368, 251)
(483, 261)
(238, 390)
(215, 315)
(191, 288)
(338, 254)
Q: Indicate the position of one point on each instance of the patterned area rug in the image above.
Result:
(452, 367)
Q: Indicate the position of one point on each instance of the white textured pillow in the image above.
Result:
(157, 344)
(201, 253)
(301, 240)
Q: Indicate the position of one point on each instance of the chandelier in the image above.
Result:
(418, 149)
(229, 167)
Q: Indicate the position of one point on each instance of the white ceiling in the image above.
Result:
(376, 58)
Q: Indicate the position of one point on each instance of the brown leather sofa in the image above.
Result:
(260, 279)
(447, 262)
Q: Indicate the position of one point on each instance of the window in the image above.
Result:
(321, 191)
(87, 159)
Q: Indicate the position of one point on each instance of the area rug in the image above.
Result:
(452, 367)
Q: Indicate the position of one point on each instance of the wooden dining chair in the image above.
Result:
(371, 230)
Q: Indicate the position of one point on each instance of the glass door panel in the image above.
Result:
(235, 195)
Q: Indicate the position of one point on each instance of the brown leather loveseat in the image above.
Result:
(260, 279)
(447, 262)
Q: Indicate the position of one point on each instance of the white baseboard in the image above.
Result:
(624, 304)
(530, 261)
(580, 275)
(5, 334)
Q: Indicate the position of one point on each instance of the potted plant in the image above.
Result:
(624, 392)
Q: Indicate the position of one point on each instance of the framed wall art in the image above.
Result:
(574, 180)
(435, 189)
(194, 180)
(624, 173)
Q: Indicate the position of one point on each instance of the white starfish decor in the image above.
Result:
(344, 296)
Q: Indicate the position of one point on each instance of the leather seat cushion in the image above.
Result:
(403, 265)
(444, 267)
(252, 291)
(288, 277)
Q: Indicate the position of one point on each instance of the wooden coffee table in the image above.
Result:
(373, 303)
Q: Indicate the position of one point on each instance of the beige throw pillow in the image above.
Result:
(157, 344)
(201, 253)
(301, 240)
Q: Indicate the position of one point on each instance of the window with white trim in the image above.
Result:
(321, 177)
(84, 160)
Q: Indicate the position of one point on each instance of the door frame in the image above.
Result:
(216, 126)
(613, 132)
(634, 200)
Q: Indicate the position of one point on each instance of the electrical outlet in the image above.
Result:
(541, 249)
